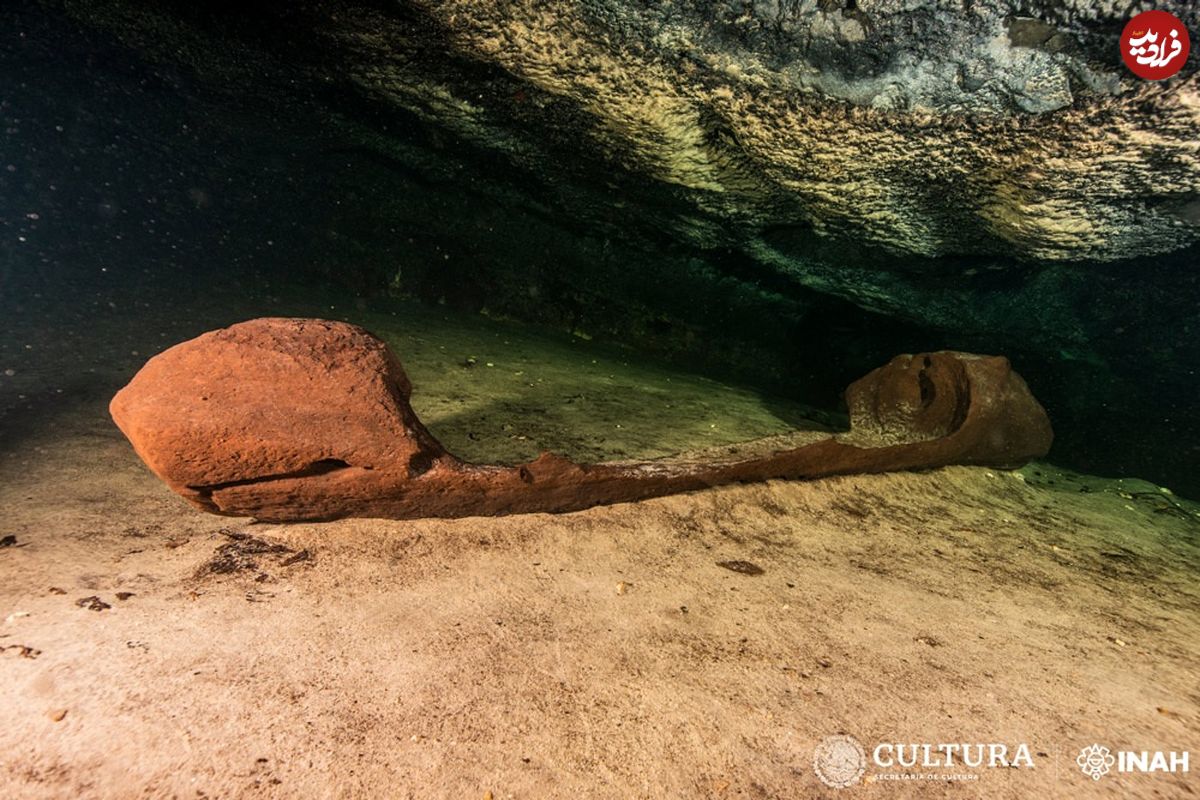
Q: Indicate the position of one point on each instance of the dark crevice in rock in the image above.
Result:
(323, 467)
(419, 464)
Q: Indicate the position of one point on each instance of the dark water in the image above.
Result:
(141, 203)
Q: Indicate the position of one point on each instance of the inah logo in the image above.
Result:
(839, 761)
(1095, 761)
(1154, 45)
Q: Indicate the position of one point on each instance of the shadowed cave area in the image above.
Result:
(377, 151)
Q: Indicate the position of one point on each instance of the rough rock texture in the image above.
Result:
(293, 419)
(269, 400)
(923, 128)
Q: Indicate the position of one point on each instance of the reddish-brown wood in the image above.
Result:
(306, 419)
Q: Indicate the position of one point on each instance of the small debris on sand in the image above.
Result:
(8, 541)
(124, 595)
(741, 567)
(240, 553)
(24, 651)
(302, 555)
(57, 714)
(92, 603)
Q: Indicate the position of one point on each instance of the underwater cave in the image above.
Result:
(634, 536)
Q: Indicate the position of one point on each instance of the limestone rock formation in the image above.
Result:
(923, 128)
(302, 419)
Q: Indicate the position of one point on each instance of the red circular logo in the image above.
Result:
(1154, 45)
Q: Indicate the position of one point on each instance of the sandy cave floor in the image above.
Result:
(605, 653)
